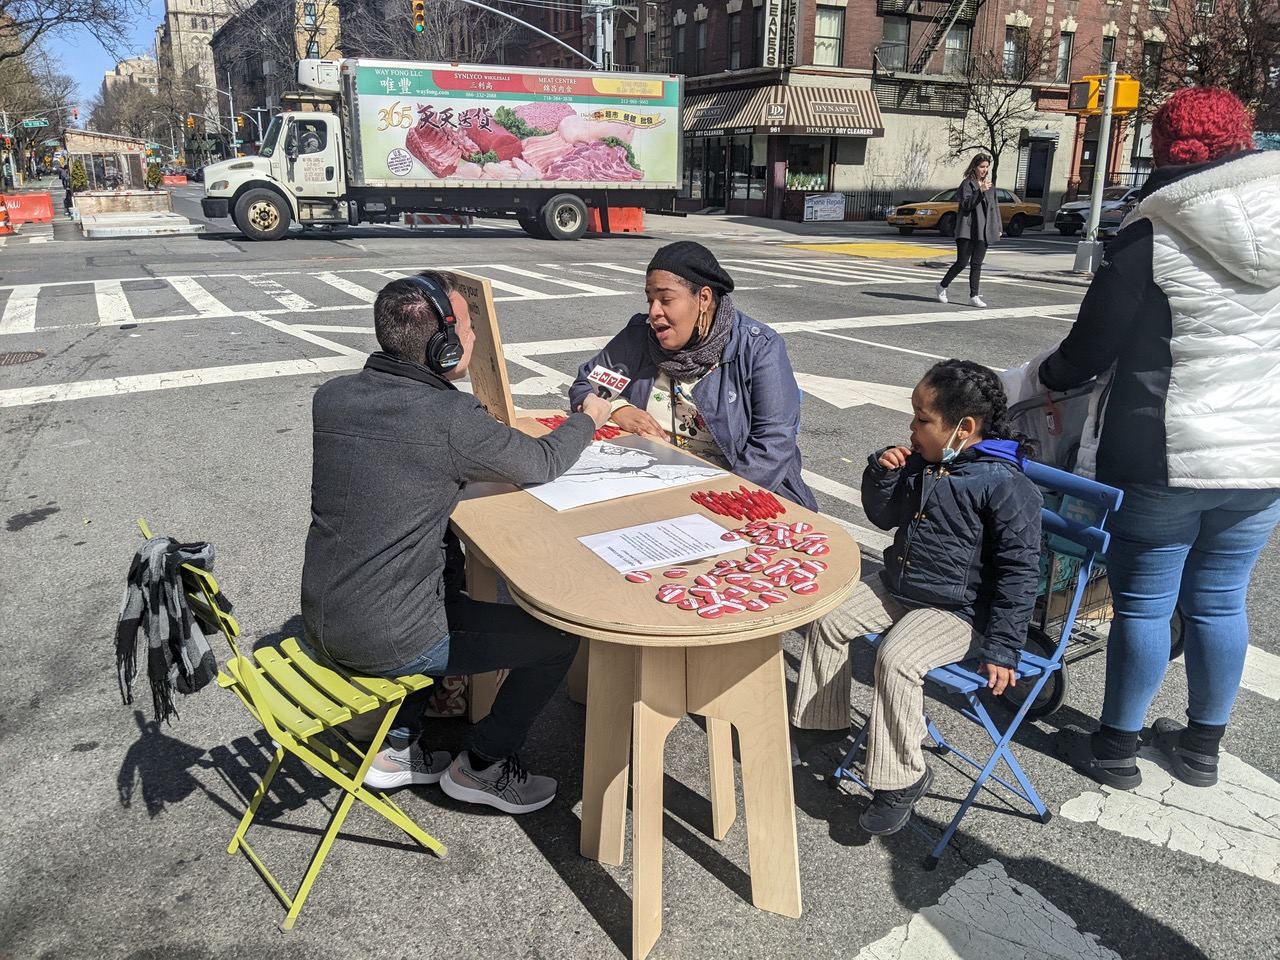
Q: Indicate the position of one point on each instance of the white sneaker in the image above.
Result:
(977, 302)
(393, 767)
(505, 785)
(940, 292)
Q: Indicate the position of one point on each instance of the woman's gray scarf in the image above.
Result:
(695, 361)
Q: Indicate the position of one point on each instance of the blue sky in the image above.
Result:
(80, 55)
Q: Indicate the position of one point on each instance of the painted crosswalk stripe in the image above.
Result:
(202, 301)
(348, 287)
(577, 285)
(735, 267)
(859, 269)
(20, 309)
(113, 305)
(618, 268)
(517, 292)
(876, 539)
(281, 295)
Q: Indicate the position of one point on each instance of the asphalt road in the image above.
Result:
(173, 382)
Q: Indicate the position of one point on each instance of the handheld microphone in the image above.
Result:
(609, 383)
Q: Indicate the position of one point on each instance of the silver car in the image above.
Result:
(1072, 217)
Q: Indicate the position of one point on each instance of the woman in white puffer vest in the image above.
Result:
(1181, 326)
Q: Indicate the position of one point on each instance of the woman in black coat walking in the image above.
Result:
(977, 227)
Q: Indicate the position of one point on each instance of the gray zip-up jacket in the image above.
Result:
(393, 446)
(979, 213)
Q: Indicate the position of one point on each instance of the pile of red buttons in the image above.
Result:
(604, 433)
(754, 583)
(741, 504)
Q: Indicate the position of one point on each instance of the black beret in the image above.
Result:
(693, 262)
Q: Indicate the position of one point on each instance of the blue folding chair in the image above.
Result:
(1086, 540)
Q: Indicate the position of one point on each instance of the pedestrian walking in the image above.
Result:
(1180, 327)
(65, 177)
(977, 228)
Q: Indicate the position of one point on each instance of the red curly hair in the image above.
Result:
(1200, 124)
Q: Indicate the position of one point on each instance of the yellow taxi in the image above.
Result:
(942, 212)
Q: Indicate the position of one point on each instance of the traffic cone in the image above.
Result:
(5, 226)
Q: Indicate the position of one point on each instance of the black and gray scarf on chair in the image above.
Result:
(701, 353)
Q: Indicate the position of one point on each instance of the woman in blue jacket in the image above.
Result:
(703, 375)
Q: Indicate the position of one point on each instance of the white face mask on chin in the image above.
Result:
(949, 452)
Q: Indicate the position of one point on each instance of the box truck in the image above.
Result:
(369, 140)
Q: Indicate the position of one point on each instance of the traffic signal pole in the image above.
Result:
(1089, 250)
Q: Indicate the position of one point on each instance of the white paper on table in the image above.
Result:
(663, 543)
(608, 470)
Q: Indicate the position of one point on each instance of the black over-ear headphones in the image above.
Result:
(444, 349)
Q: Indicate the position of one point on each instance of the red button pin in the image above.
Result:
(759, 586)
(735, 593)
(712, 612)
(675, 573)
(818, 550)
(670, 593)
(813, 566)
(804, 589)
(738, 579)
(639, 576)
(773, 596)
(755, 604)
(730, 536)
(706, 580)
(688, 603)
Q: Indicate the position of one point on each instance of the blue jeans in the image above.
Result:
(1194, 550)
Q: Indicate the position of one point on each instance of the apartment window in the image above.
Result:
(955, 53)
(828, 36)
(1152, 58)
(894, 43)
(681, 53)
(757, 33)
(1065, 43)
(629, 51)
(735, 41)
(1159, 4)
(700, 53)
(308, 14)
(1015, 51)
(1108, 50)
(1205, 8)
(195, 23)
(313, 50)
(204, 23)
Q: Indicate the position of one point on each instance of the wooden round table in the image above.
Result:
(651, 663)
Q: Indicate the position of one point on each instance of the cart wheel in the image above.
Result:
(1046, 816)
(931, 862)
(1176, 638)
(1054, 693)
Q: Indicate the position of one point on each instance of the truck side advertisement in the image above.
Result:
(477, 126)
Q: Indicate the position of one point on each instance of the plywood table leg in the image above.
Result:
(611, 690)
(660, 703)
(482, 584)
(724, 804)
(577, 679)
(744, 684)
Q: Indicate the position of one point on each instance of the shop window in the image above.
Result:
(1015, 51)
(955, 54)
(894, 43)
(828, 36)
(1108, 50)
(807, 163)
(693, 165)
(757, 33)
(747, 173)
(1065, 43)
(735, 41)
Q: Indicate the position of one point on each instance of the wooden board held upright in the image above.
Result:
(488, 368)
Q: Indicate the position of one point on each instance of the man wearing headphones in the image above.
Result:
(393, 446)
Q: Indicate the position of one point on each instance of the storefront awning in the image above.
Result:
(784, 110)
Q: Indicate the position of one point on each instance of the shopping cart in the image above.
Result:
(1054, 422)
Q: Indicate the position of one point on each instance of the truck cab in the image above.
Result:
(297, 177)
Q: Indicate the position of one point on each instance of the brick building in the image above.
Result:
(857, 96)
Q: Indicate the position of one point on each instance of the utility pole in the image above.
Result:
(1089, 250)
(231, 105)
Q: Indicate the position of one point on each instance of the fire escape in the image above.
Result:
(902, 76)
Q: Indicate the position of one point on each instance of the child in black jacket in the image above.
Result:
(959, 581)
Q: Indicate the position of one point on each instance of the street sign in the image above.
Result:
(35, 122)
(51, 143)
(1085, 94)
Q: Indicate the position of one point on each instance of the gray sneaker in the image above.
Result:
(505, 785)
(398, 767)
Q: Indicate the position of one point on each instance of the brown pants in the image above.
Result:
(917, 641)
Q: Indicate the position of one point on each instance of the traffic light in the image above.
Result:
(191, 122)
(75, 113)
(419, 16)
(239, 123)
(1086, 95)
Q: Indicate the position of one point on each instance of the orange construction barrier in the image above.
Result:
(621, 220)
(174, 180)
(29, 207)
(5, 227)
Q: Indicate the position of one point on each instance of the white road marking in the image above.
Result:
(1235, 824)
(202, 301)
(20, 309)
(988, 914)
(1261, 673)
(348, 287)
(277, 292)
(118, 386)
(855, 393)
(293, 330)
(738, 268)
(577, 285)
(876, 539)
(113, 305)
(882, 346)
(619, 268)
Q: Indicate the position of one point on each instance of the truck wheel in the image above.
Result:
(1016, 225)
(532, 224)
(947, 225)
(564, 217)
(906, 231)
(262, 215)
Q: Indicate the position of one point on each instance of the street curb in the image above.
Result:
(1056, 276)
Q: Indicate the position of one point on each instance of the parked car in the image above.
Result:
(1110, 220)
(942, 212)
(1072, 216)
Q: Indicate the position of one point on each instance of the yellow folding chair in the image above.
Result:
(297, 700)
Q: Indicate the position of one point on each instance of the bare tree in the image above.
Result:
(23, 23)
(455, 32)
(32, 86)
(1233, 44)
(916, 164)
(999, 89)
(129, 108)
